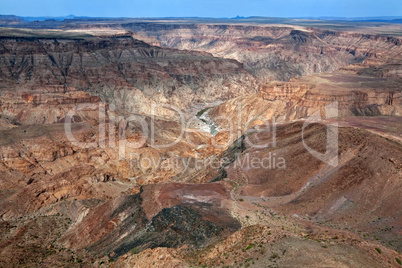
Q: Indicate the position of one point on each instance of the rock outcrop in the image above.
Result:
(122, 71)
(355, 90)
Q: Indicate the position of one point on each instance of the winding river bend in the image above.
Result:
(203, 116)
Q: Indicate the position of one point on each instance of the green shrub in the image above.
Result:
(398, 261)
(378, 250)
(135, 250)
(250, 246)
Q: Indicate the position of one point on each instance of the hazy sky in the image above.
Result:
(202, 8)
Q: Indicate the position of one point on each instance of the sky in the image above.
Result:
(202, 8)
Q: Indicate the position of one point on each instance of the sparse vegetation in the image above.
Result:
(135, 250)
(250, 246)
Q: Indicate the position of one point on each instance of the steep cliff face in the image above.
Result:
(273, 52)
(353, 95)
(46, 104)
(126, 72)
(356, 90)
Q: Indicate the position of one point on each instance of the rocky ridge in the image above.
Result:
(278, 52)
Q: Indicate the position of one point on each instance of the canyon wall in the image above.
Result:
(122, 71)
(273, 52)
(356, 90)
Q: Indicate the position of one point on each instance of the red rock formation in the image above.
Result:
(274, 52)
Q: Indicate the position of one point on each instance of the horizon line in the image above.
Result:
(199, 17)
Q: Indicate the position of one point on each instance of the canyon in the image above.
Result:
(185, 143)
